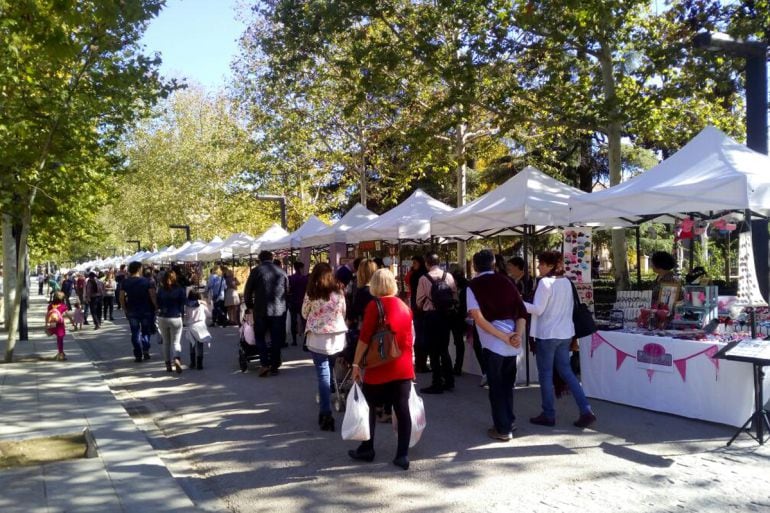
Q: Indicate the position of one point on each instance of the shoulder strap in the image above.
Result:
(380, 311)
(575, 297)
(443, 276)
(430, 278)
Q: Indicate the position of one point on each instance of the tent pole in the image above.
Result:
(638, 259)
(526, 336)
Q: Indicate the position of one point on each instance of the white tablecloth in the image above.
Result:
(684, 380)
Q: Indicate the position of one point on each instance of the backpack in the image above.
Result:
(441, 294)
(52, 320)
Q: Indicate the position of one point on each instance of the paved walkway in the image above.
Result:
(237, 442)
(40, 396)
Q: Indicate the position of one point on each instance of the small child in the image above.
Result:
(77, 317)
(195, 314)
(54, 320)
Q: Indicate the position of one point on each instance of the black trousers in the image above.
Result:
(437, 328)
(501, 376)
(459, 328)
(478, 352)
(108, 304)
(96, 310)
(297, 324)
(397, 393)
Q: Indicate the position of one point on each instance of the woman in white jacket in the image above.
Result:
(553, 329)
(324, 309)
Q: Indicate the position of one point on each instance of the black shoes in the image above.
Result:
(168, 367)
(433, 389)
(542, 420)
(422, 369)
(178, 365)
(362, 454)
(327, 423)
(146, 355)
(199, 363)
(402, 461)
(585, 420)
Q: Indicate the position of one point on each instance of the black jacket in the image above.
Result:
(265, 291)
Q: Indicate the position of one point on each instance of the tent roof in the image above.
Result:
(195, 255)
(226, 248)
(531, 197)
(272, 234)
(711, 173)
(356, 216)
(408, 221)
(189, 252)
(296, 238)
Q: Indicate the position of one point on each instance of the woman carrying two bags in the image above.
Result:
(392, 381)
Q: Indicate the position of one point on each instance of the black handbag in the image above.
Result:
(581, 316)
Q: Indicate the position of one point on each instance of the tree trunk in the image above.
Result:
(462, 174)
(614, 131)
(21, 257)
(9, 266)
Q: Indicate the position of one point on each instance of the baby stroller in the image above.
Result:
(342, 375)
(248, 351)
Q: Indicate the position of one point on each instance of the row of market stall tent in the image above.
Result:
(710, 174)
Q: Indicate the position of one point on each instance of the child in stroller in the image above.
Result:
(248, 351)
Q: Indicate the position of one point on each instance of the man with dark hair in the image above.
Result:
(265, 295)
(500, 316)
(297, 288)
(516, 268)
(437, 298)
(137, 298)
(663, 265)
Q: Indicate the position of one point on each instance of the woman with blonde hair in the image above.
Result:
(390, 382)
(324, 309)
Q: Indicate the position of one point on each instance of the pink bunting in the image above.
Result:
(710, 353)
(620, 357)
(596, 341)
(681, 366)
(650, 374)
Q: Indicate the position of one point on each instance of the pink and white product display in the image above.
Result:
(631, 303)
(577, 254)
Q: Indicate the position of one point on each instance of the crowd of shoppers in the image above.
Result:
(336, 312)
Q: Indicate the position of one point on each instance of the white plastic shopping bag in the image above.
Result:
(417, 412)
(355, 424)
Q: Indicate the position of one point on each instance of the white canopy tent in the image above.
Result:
(191, 249)
(226, 248)
(711, 173)
(272, 234)
(408, 221)
(193, 255)
(296, 239)
(340, 231)
(158, 256)
(531, 197)
(171, 256)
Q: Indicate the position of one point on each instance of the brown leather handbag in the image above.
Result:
(382, 347)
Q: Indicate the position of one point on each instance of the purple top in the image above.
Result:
(297, 288)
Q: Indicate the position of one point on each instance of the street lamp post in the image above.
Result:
(185, 227)
(138, 244)
(755, 53)
(281, 200)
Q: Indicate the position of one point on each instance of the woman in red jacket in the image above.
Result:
(390, 382)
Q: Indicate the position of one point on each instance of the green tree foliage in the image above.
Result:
(72, 78)
(191, 163)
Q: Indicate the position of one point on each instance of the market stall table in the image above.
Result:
(667, 375)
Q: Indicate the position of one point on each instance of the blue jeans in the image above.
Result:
(323, 368)
(553, 352)
(501, 376)
(141, 329)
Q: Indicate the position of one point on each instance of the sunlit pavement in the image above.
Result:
(239, 442)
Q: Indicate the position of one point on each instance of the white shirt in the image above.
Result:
(551, 309)
(489, 341)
